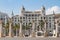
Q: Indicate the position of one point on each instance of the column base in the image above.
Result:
(21, 35)
(10, 35)
(1, 35)
(57, 35)
(45, 34)
(33, 34)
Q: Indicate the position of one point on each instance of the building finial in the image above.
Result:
(43, 7)
(12, 13)
(43, 10)
(22, 8)
(53, 12)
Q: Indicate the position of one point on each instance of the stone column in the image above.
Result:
(45, 30)
(10, 30)
(56, 30)
(5, 26)
(33, 30)
(20, 30)
(0, 28)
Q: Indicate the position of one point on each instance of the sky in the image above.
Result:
(7, 6)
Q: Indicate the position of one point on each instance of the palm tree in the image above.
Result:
(41, 24)
(4, 31)
(7, 28)
(16, 27)
(24, 27)
(28, 29)
(28, 26)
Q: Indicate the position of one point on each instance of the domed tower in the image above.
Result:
(22, 9)
(43, 10)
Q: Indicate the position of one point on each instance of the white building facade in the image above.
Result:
(28, 16)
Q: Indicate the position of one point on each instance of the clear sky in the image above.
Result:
(8, 5)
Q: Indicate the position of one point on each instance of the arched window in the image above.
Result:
(58, 24)
(38, 34)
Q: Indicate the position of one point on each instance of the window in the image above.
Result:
(32, 15)
(44, 17)
(54, 26)
(49, 17)
(29, 15)
(26, 14)
(59, 24)
(46, 25)
(15, 18)
(35, 15)
(32, 18)
(50, 25)
(29, 20)
(23, 17)
(41, 17)
(53, 17)
(20, 17)
(1, 18)
(23, 23)
(18, 20)
(15, 23)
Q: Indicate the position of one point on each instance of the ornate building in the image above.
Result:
(32, 23)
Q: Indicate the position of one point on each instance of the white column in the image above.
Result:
(5, 26)
(0, 29)
(20, 30)
(33, 31)
(33, 27)
(10, 30)
(56, 29)
(54, 32)
(45, 30)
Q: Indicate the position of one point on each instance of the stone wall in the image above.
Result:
(29, 38)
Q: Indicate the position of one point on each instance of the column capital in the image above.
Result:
(10, 20)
